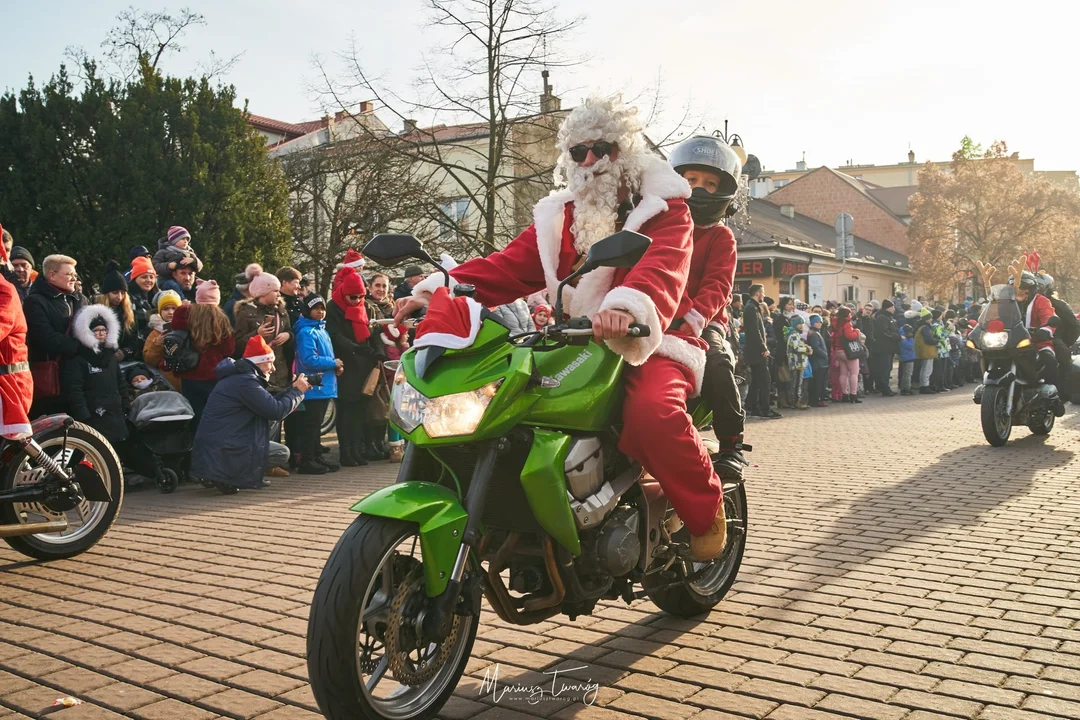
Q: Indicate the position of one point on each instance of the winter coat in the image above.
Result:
(778, 344)
(358, 359)
(907, 347)
(926, 347)
(886, 334)
(294, 306)
(865, 323)
(712, 275)
(1068, 329)
(404, 289)
(820, 359)
(844, 331)
(797, 350)
(23, 290)
(16, 386)
(154, 354)
(144, 304)
(48, 314)
(250, 314)
(754, 328)
(90, 381)
(208, 357)
(130, 343)
(230, 305)
(941, 335)
(232, 443)
(515, 317)
(167, 254)
(315, 356)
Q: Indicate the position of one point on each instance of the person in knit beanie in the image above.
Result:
(314, 359)
(143, 291)
(114, 295)
(264, 315)
(207, 293)
(174, 251)
(154, 347)
(240, 289)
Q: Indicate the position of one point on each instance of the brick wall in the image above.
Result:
(823, 195)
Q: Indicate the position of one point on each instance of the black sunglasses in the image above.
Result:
(600, 148)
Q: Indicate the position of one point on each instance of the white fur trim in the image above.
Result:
(695, 320)
(548, 217)
(423, 289)
(260, 358)
(685, 353)
(15, 431)
(392, 331)
(80, 326)
(455, 342)
(356, 263)
(448, 263)
(659, 179)
(635, 350)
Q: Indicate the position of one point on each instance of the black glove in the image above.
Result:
(1042, 335)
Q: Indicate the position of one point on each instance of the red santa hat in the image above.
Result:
(257, 351)
(390, 335)
(353, 259)
(450, 322)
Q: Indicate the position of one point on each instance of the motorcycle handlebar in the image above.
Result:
(635, 330)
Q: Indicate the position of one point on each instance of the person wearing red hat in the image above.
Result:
(16, 383)
(360, 352)
(232, 445)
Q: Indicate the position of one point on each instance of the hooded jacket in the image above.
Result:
(515, 317)
(232, 443)
(315, 356)
(250, 315)
(91, 381)
(48, 314)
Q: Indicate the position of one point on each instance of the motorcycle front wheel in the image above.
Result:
(365, 593)
(708, 588)
(996, 421)
(88, 521)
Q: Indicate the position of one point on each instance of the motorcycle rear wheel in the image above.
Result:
(996, 422)
(348, 621)
(90, 520)
(1044, 425)
(688, 600)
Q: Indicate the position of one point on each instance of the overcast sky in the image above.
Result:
(859, 80)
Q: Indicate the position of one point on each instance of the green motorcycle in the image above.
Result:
(512, 472)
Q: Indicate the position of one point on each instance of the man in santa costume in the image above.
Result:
(16, 383)
(611, 179)
(712, 170)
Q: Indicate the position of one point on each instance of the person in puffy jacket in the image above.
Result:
(926, 351)
(514, 317)
(174, 251)
(315, 359)
(907, 359)
(232, 445)
(798, 353)
(95, 390)
(819, 361)
(843, 333)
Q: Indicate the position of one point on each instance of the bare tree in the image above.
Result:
(490, 145)
(354, 185)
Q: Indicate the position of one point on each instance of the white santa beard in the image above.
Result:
(596, 201)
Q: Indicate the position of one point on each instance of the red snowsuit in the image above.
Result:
(16, 383)
(665, 368)
(1038, 314)
(712, 275)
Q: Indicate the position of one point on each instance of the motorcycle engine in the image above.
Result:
(584, 467)
(616, 547)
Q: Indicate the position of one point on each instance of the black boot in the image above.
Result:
(309, 467)
(855, 399)
(328, 464)
(730, 461)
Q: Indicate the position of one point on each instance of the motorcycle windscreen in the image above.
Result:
(1002, 308)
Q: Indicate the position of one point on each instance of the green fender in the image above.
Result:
(545, 487)
(439, 514)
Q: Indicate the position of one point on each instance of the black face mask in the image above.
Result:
(707, 208)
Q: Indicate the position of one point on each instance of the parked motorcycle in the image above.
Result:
(60, 489)
(1011, 391)
(512, 468)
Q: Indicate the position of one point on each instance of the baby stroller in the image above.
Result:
(162, 437)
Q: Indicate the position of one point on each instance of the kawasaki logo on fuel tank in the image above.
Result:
(578, 361)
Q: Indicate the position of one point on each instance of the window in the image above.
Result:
(785, 287)
(870, 293)
(453, 215)
(851, 294)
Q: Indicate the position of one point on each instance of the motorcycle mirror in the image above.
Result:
(623, 249)
(392, 248)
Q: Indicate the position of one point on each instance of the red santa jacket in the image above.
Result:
(1038, 314)
(653, 291)
(16, 384)
(712, 275)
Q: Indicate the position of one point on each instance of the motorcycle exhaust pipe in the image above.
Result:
(19, 529)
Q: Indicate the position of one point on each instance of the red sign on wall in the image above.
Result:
(787, 268)
(761, 267)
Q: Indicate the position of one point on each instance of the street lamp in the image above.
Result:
(733, 140)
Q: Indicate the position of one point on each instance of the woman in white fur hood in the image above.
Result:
(90, 381)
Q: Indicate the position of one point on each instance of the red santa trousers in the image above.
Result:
(658, 433)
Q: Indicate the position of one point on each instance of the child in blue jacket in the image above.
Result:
(907, 359)
(315, 358)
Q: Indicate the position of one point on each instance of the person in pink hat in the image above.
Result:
(264, 314)
(207, 292)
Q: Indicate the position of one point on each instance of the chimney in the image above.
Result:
(549, 102)
(788, 211)
(911, 156)
(410, 127)
(801, 165)
(367, 107)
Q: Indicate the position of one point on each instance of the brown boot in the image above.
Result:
(704, 548)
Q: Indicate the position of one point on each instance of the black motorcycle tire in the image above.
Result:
(1044, 427)
(335, 613)
(683, 600)
(992, 397)
(113, 475)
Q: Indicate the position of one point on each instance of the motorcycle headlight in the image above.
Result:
(995, 340)
(446, 416)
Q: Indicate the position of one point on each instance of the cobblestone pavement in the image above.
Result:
(898, 567)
